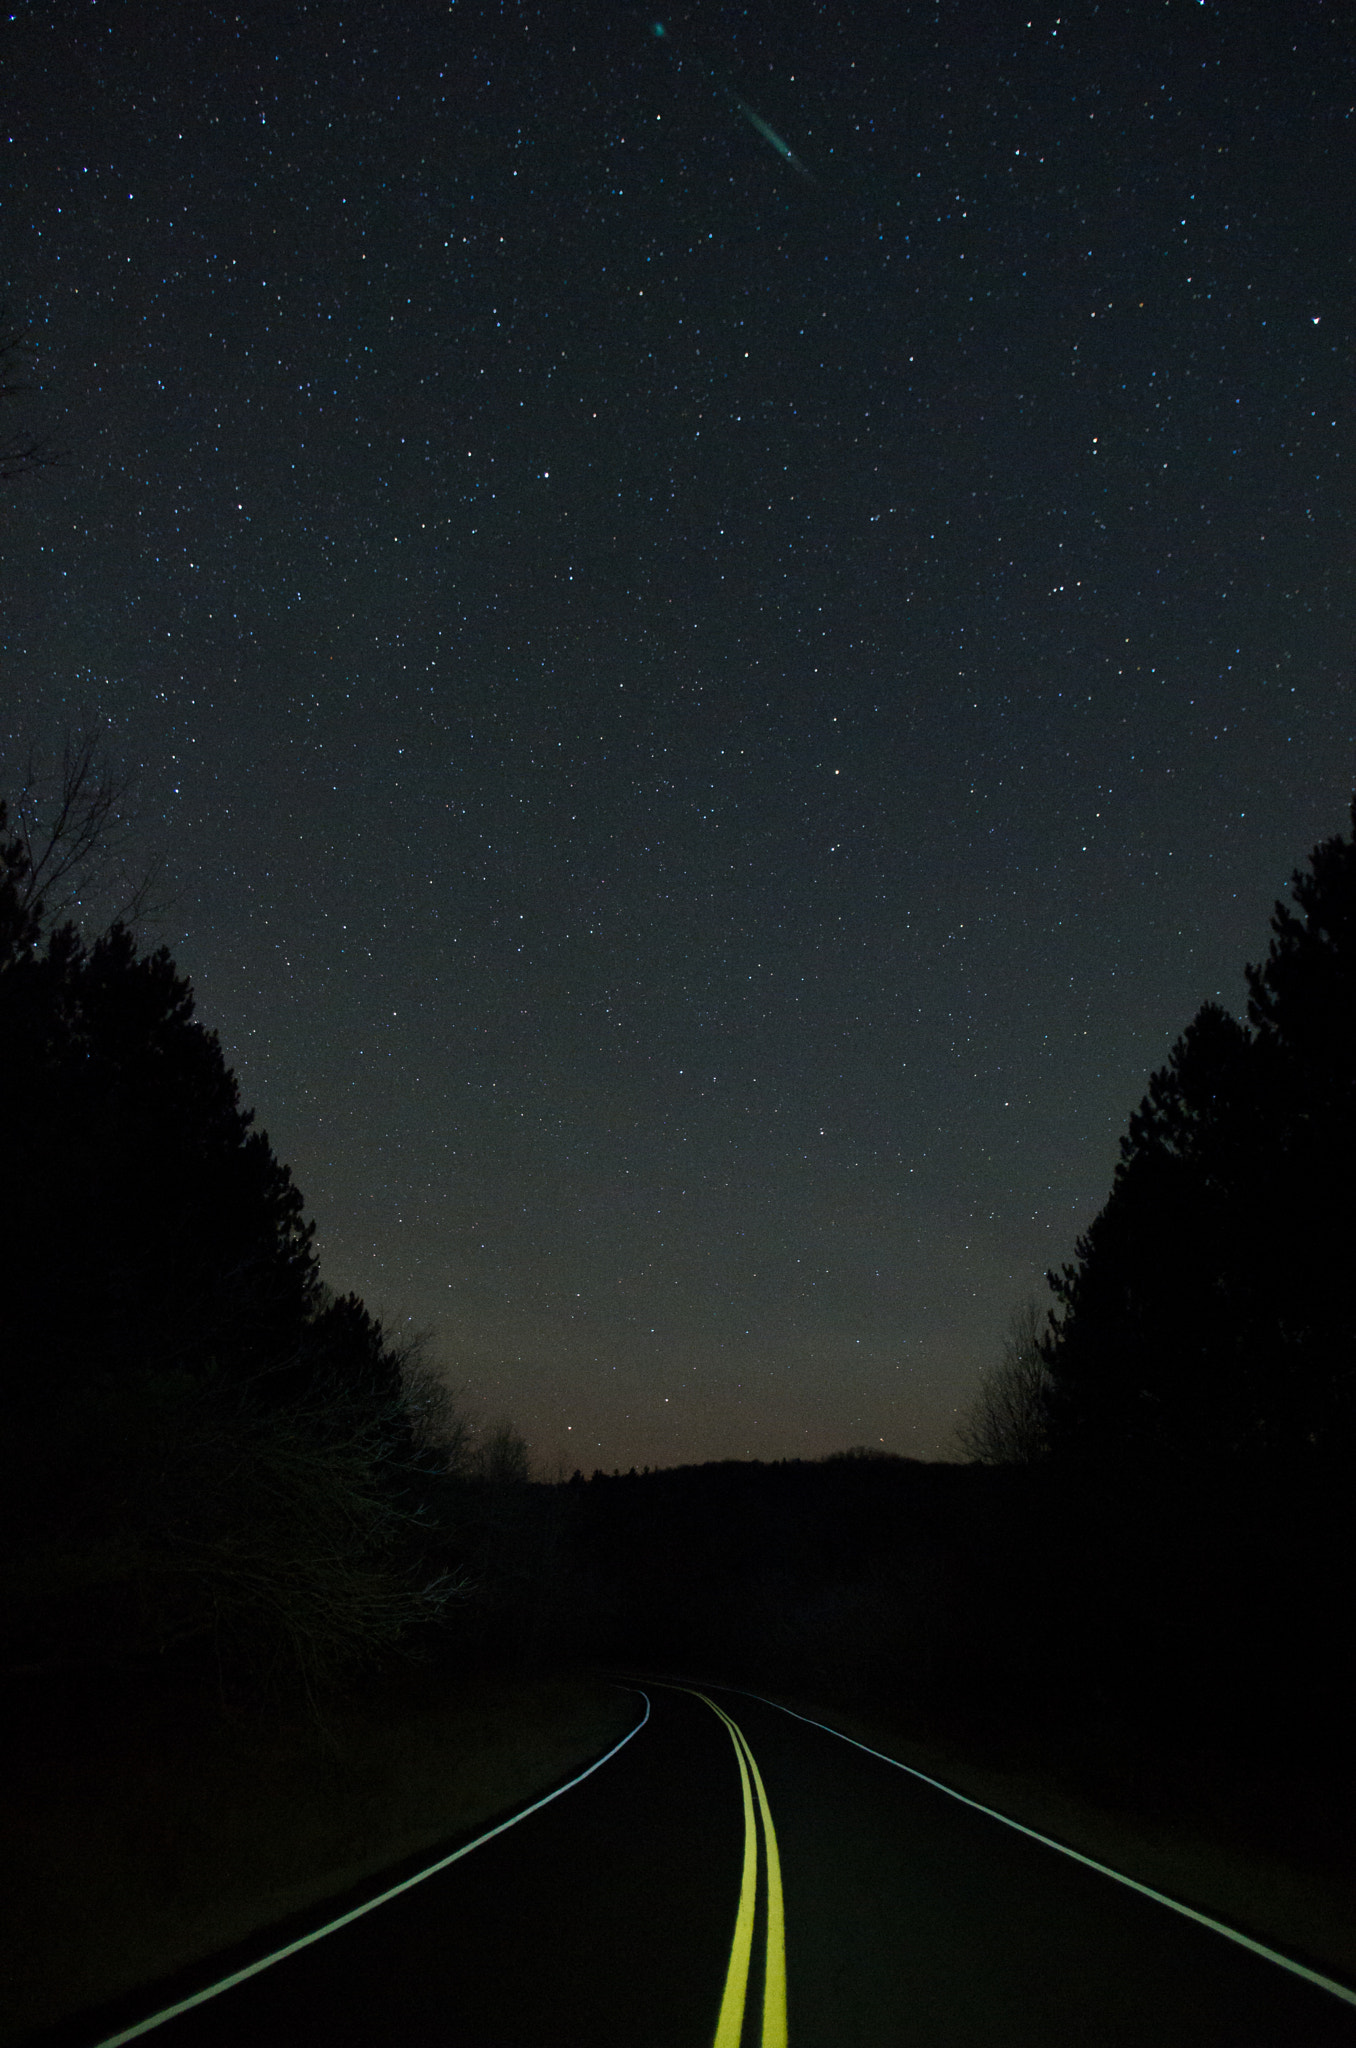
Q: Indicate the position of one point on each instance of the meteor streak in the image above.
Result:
(769, 134)
(755, 121)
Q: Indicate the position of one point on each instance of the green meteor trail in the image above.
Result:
(770, 135)
(755, 120)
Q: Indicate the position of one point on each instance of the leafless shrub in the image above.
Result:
(285, 1545)
(442, 1428)
(502, 1457)
(1006, 1421)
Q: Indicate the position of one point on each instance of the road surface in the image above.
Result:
(734, 1875)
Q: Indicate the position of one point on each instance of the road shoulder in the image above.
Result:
(135, 1851)
(1308, 1913)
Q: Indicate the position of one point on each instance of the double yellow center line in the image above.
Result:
(730, 2026)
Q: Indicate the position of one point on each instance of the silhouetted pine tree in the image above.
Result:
(200, 1445)
(1209, 1315)
(1302, 1006)
(1147, 1360)
(148, 1225)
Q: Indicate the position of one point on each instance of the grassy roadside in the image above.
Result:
(144, 1833)
(1265, 1853)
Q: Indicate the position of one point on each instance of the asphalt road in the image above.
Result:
(634, 1912)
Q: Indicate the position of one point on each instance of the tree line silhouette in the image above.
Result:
(208, 1458)
(1209, 1320)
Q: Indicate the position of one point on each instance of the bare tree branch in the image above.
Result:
(1006, 1421)
(17, 458)
(440, 1425)
(79, 852)
(504, 1457)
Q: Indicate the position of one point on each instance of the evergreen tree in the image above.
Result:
(149, 1225)
(201, 1445)
(1302, 1006)
(1209, 1314)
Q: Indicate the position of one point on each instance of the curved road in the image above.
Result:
(658, 1901)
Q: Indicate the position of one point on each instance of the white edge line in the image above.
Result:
(1258, 1948)
(318, 1934)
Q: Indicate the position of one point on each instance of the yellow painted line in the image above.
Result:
(774, 1972)
(730, 2026)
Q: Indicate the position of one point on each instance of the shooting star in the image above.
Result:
(755, 121)
(770, 135)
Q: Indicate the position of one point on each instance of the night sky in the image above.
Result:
(710, 713)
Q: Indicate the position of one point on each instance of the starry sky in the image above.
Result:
(722, 634)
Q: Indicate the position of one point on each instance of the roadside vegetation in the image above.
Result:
(212, 1462)
(275, 1611)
